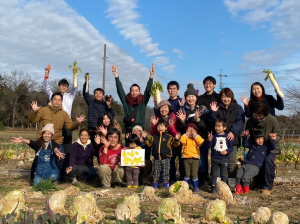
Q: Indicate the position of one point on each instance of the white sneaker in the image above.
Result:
(74, 182)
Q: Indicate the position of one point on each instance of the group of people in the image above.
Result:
(186, 128)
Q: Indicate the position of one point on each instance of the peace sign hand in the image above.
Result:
(210, 136)
(182, 102)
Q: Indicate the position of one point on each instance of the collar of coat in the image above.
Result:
(53, 108)
(84, 146)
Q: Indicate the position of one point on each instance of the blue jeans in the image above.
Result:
(52, 175)
(61, 161)
(203, 162)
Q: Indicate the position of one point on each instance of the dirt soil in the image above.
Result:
(284, 197)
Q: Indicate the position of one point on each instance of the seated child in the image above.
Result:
(132, 172)
(190, 153)
(162, 144)
(44, 166)
(254, 159)
(221, 147)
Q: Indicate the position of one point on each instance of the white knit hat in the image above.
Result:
(48, 127)
(137, 127)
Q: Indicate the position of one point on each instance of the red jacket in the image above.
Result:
(112, 158)
(172, 130)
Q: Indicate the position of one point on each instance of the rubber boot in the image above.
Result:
(155, 185)
(245, 189)
(213, 189)
(196, 188)
(166, 185)
(187, 180)
(238, 189)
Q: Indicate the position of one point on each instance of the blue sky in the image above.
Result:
(186, 40)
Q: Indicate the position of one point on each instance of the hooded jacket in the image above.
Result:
(191, 146)
(267, 125)
(235, 117)
(55, 115)
(81, 154)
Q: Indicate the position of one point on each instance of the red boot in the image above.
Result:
(246, 189)
(238, 189)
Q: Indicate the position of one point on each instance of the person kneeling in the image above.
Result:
(44, 165)
(254, 159)
(81, 154)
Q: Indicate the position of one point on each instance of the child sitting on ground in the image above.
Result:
(132, 172)
(254, 159)
(162, 144)
(190, 153)
(43, 166)
(221, 147)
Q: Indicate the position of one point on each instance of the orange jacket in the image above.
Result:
(191, 146)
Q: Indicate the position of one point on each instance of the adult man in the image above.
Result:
(95, 107)
(206, 99)
(53, 113)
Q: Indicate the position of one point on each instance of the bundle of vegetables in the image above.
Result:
(279, 218)
(262, 215)
(170, 210)
(215, 210)
(148, 193)
(14, 200)
(57, 202)
(271, 76)
(75, 70)
(7, 154)
(224, 192)
(180, 191)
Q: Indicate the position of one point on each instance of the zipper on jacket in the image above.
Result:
(159, 145)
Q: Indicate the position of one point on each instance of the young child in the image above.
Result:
(254, 159)
(43, 166)
(162, 144)
(132, 172)
(190, 153)
(221, 147)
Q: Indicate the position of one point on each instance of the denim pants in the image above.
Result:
(217, 164)
(52, 175)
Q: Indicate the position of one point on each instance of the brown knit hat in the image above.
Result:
(193, 126)
(163, 103)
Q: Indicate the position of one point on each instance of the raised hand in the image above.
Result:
(171, 121)
(34, 106)
(214, 106)
(97, 139)
(153, 120)
(230, 136)
(17, 140)
(118, 127)
(115, 71)
(47, 71)
(197, 114)
(210, 136)
(193, 131)
(182, 102)
(105, 142)
(245, 100)
(181, 115)
(152, 71)
(108, 101)
(59, 154)
(80, 119)
(103, 130)
(178, 136)
(127, 135)
(145, 134)
(272, 136)
(69, 169)
(246, 132)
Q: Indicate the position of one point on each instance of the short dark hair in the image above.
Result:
(100, 90)
(134, 84)
(222, 121)
(258, 134)
(209, 78)
(227, 92)
(82, 130)
(133, 138)
(163, 122)
(57, 94)
(63, 82)
(259, 108)
(173, 83)
(114, 131)
(101, 117)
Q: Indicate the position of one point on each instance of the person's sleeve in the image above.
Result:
(278, 104)
(276, 130)
(155, 111)
(35, 116)
(175, 143)
(181, 126)
(47, 89)
(199, 140)
(183, 140)
(208, 144)
(148, 142)
(247, 110)
(103, 157)
(111, 111)
(153, 130)
(239, 121)
(120, 91)
(71, 125)
(172, 129)
(34, 145)
(73, 92)
(246, 143)
(88, 100)
(212, 116)
(201, 126)
(229, 146)
(73, 155)
(271, 144)
(147, 91)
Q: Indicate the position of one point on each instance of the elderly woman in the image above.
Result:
(228, 108)
(263, 121)
(134, 103)
(257, 93)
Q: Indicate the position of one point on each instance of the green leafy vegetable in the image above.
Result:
(177, 187)
(156, 86)
(268, 71)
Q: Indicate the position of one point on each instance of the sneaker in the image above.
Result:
(74, 182)
(266, 192)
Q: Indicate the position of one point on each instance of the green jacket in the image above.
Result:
(141, 110)
(268, 125)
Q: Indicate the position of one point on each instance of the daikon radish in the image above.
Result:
(75, 70)
(271, 76)
(87, 77)
(155, 91)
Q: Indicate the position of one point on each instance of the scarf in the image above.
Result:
(134, 101)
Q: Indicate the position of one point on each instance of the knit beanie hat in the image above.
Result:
(48, 127)
(190, 90)
(193, 126)
(137, 127)
(163, 103)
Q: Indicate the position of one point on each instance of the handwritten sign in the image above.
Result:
(132, 157)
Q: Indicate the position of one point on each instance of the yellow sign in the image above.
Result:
(132, 157)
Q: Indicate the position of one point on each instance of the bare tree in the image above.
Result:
(293, 96)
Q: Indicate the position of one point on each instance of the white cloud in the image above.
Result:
(178, 52)
(161, 60)
(169, 68)
(55, 22)
(125, 17)
(227, 53)
(241, 5)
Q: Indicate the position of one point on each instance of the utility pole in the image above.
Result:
(221, 81)
(104, 61)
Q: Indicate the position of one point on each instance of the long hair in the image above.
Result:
(101, 117)
(253, 98)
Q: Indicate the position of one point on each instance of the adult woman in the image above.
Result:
(134, 102)
(265, 122)
(257, 93)
(228, 108)
(81, 163)
(110, 171)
